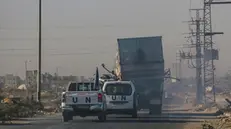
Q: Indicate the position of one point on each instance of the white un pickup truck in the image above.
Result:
(81, 99)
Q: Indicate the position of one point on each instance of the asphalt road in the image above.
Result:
(176, 116)
(167, 121)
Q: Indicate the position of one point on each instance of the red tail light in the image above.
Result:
(100, 97)
(64, 97)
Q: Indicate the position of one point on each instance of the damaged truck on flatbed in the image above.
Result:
(141, 61)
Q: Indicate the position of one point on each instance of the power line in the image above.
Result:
(32, 49)
(79, 27)
(56, 54)
(60, 38)
(17, 49)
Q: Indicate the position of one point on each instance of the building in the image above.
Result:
(63, 80)
(12, 81)
(50, 81)
(2, 81)
(31, 78)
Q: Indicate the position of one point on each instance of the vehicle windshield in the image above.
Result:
(81, 87)
(118, 89)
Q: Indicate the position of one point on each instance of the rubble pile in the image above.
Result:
(210, 107)
(11, 108)
(14, 104)
(51, 107)
(223, 122)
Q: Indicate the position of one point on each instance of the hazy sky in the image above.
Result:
(78, 35)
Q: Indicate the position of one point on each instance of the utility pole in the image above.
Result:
(26, 77)
(200, 89)
(57, 80)
(177, 69)
(40, 53)
(194, 40)
(179, 63)
(57, 71)
(26, 80)
(210, 54)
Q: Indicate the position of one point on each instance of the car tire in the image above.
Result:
(134, 114)
(134, 111)
(155, 110)
(70, 117)
(65, 118)
(102, 117)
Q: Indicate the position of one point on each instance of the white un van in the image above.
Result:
(121, 97)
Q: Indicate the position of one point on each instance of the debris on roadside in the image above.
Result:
(13, 108)
(223, 122)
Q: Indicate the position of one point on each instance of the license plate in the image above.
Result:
(83, 107)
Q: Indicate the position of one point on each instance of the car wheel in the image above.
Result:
(65, 118)
(102, 118)
(134, 111)
(155, 110)
(70, 117)
(134, 114)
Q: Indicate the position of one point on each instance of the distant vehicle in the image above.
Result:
(121, 97)
(81, 99)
